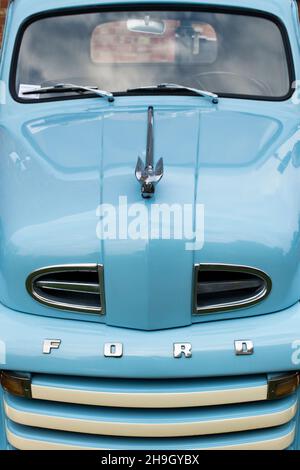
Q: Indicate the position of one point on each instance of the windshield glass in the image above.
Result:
(226, 53)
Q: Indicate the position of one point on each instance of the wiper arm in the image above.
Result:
(69, 87)
(174, 86)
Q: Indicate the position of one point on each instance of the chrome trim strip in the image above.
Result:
(84, 288)
(32, 278)
(131, 429)
(232, 305)
(150, 400)
(224, 286)
(21, 443)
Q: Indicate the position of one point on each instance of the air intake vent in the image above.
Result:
(226, 287)
(69, 287)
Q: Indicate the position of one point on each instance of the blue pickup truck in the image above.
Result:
(150, 225)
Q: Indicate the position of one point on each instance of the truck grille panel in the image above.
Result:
(28, 438)
(224, 423)
(149, 393)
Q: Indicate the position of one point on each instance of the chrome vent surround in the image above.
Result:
(219, 287)
(69, 287)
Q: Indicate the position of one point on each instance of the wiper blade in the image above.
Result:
(69, 87)
(174, 86)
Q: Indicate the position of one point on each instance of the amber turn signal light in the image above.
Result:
(16, 383)
(283, 385)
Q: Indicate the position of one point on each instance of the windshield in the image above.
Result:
(225, 53)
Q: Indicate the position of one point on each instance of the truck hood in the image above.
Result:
(58, 167)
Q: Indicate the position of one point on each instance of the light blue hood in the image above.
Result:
(58, 166)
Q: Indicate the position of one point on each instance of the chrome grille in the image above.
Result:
(226, 287)
(69, 287)
(91, 413)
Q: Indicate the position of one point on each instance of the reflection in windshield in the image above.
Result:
(223, 53)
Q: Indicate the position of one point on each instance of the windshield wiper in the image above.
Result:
(174, 86)
(69, 87)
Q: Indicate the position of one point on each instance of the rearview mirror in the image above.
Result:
(146, 25)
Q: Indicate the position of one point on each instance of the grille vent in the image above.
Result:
(69, 287)
(226, 287)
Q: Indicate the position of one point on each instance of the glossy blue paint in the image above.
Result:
(73, 151)
(59, 161)
(113, 385)
(65, 160)
(150, 354)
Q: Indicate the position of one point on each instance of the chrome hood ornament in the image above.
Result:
(146, 174)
